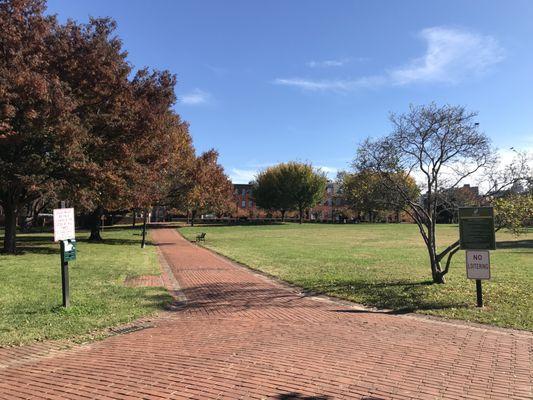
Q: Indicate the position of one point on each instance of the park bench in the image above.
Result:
(200, 237)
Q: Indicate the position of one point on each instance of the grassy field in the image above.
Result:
(30, 287)
(384, 265)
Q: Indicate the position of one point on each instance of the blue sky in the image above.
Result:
(278, 80)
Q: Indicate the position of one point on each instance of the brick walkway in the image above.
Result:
(240, 335)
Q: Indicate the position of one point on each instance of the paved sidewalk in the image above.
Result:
(240, 335)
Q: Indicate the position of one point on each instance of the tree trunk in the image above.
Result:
(145, 216)
(10, 233)
(301, 215)
(134, 219)
(193, 215)
(438, 276)
(283, 215)
(95, 222)
(436, 270)
(23, 221)
(398, 216)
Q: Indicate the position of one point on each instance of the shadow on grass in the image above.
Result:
(49, 239)
(401, 311)
(21, 250)
(42, 244)
(114, 242)
(401, 297)
(119, 227)
(36, 239)
(515, 244)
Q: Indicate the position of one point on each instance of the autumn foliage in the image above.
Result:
(202, 187)
(78, 123)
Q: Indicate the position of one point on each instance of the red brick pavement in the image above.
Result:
(241, 336)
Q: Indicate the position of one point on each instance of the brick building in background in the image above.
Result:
(332, 206)
(330, 209)
(243, 200)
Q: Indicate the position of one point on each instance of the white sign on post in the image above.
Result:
(64, 227)
(477, 264)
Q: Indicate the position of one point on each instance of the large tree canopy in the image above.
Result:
(290, 186)
(40, 136)
(270, 193)
(73, 121)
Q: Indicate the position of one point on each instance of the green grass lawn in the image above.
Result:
(30, 287)
(384, 265)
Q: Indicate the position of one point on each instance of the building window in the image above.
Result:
(243, 204)
(244, 192)
(250, 204)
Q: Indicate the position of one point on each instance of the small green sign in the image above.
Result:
(68, 247)
(476, 228)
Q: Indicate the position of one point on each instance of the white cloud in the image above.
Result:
(313, 85)
(331, 172)
(449, 175)
(451, 56)
(242, 175)
(340, 85)
(327, 63)
(196, 97)
(507, 155)
(340, 62)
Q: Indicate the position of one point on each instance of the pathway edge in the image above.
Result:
(347, 303)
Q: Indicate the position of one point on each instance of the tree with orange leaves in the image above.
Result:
(39, 132)
(203, 187)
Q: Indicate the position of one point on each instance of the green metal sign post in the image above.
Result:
(477, 236)
(68, 253)
(476, 228)
(64, 277)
